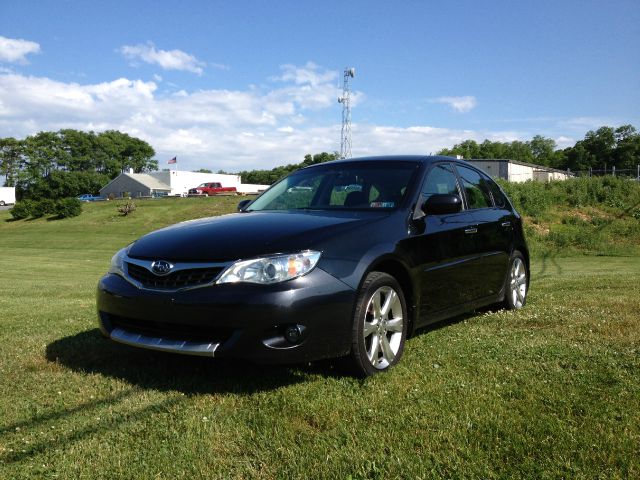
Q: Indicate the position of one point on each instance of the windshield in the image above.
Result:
(376, 185)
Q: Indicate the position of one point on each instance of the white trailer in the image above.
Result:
(251, 189)
(7, 196)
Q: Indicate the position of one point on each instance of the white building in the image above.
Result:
(171, 183)
(515, 171)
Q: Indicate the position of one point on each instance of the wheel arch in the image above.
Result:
(400, 272)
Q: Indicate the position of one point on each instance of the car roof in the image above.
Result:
(393, 158)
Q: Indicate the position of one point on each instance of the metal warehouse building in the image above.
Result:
(153, 184)
(515, 171)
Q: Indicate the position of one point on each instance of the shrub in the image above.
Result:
(62, 184)
(43, 207)
(127, 208)
(22, 209)
(68, 207)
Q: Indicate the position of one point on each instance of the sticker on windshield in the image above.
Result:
(382, 204)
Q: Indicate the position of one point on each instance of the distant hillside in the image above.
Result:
(590, 216)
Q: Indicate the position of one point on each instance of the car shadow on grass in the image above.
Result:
(89, 352)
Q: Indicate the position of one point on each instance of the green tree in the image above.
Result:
(80, 150)
(61, 184)
(517, 150)
(580, 158)
(267, 177)
(11, 157)
(467, 149)
(117, 152)
(543, 150)
(626, 154)
(44, 153)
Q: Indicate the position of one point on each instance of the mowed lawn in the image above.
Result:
(551, 391)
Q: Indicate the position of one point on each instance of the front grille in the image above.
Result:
(192, 277)
(175, 331)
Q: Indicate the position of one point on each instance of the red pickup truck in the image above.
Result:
(212, 188)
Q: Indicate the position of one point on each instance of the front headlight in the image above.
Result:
(273, 269)
(117, 261)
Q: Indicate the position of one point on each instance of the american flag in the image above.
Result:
(173, 160)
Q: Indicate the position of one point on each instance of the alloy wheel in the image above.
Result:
(383, 327)
(518, 283)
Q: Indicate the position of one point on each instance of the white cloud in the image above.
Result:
(421, 140)
(15, 50)
(587, 123)
(564, 142)
(458, 104)
(310, 73)
(220, 66)
(166, 59)
(313, 87)
(229, 129)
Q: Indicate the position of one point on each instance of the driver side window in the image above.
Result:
(440, 179)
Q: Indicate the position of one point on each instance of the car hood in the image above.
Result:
(247, 235)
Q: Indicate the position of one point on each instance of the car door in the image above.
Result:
(494, 228)
(444, 252)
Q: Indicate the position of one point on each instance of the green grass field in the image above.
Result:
(550, 391)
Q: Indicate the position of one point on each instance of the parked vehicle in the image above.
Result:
(7, 196)
(212, 188)
(87, 197)
(344, 258)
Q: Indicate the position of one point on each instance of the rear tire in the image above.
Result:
(379, 325)
(516, 284)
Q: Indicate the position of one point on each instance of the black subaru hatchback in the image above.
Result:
(345, 258)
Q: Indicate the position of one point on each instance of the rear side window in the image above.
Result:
(476, 188)
(498, 197)
(440, 179)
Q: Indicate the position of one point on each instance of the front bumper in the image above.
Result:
(233, 320)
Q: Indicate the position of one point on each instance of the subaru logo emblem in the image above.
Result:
(161, 267)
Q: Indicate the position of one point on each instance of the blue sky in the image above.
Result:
(253, 84)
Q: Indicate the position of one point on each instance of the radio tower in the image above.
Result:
(345, 100)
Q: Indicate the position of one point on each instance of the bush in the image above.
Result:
(127, 208)
(68, 207)
(22, 209)
(43, 207)
(61, 184)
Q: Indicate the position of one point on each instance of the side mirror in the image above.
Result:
(442, 204)
(243, 204)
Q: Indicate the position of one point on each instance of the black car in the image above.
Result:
(345, 258)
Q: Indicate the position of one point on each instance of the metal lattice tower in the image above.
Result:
(345, 100)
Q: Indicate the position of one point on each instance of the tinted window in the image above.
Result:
(440, 179)
(496, 193)
(476, 188)
(357, 185)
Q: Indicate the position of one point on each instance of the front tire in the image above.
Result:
(516, 283)
(379, 325)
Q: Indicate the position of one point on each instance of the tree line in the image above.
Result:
(70, 162)
(601, 149)
(267, 177)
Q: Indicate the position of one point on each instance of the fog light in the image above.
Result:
(292, 333)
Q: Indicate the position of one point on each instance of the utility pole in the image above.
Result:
(345, 100)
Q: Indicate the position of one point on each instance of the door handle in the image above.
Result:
(470, 230)
(506, 224)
